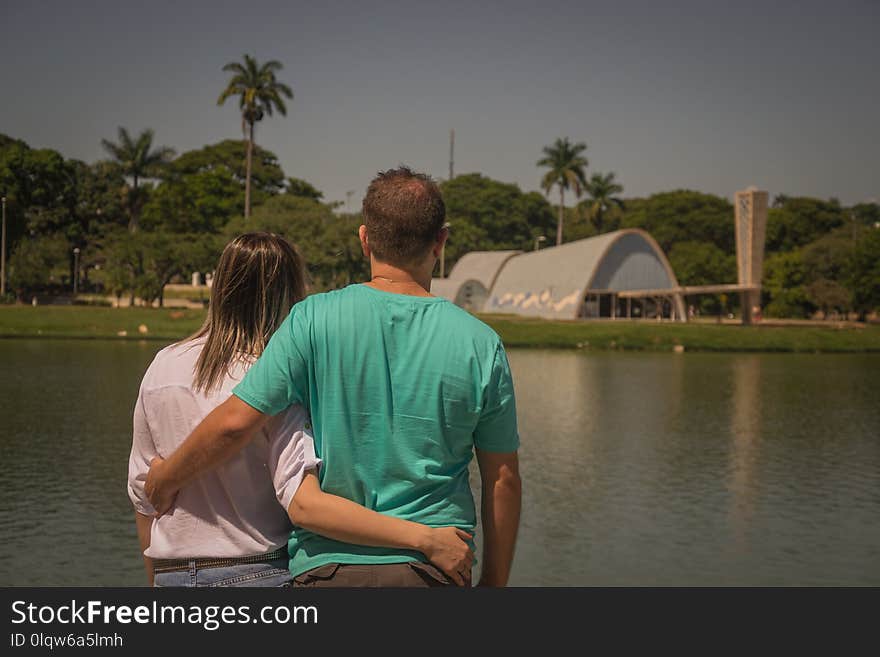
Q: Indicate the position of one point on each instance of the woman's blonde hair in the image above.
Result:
(258, 279)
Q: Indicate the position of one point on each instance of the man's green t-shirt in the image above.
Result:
(400, 390)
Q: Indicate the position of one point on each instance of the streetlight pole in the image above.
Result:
(538, 240)
(3, 254)
(75, 269)
(443, 253)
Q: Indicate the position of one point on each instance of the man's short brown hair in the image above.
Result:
(404, 213)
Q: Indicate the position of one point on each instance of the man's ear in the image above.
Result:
(365, 245)
(442, 236)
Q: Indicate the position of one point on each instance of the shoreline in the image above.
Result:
(172, 324)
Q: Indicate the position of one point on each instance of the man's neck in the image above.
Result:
(390, 278)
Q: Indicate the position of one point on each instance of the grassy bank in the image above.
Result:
(96, 322)
(173, 324)
(652, 336)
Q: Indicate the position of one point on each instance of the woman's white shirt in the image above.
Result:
(239, 508)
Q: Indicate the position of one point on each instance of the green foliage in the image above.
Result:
(38, 264)
(259, 93)
(485, 214)
(602, 190)
(820, 255)
(230, 157)
(328, 242)
(258, 90)
(200, 202)
(299, 187)
(785, 280)
(566, 166)
(683, 216)
(797, 221)
(40, 190)
(863, 275)
(204, 188)
(702, 263)
(829, 296)
(867, 214)
(144, 262)
(101, 198)
(137, 159)
(828, 256)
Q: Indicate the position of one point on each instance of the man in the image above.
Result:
(402, 388)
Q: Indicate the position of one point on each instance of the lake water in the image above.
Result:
(638, 469)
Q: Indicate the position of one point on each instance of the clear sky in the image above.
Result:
(710, 95)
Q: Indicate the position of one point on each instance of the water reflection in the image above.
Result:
(745, 429)
(698, 469)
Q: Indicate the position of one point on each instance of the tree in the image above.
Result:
(143, 263)
(683, 216)
(99, 204)
(867, 214)
(230, 156)
(485, 214)
(566, 171)
(40, 190)
(38, 263)
(200, 202)
(828, 256)
(703, 263)
(784, 288)
(863, 274)
(328, 242)
(165, 255)
(602, 190)
(122, 263)
(203, 189)
(299, 187)
(780, 200)
(137, 159)
(259, 94)
(799, 221)
(829, 296)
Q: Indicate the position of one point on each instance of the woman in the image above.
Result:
(228, 528)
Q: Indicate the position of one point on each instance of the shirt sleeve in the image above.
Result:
(143, 450)
(496, 429)
(279, 378)
(291, 453)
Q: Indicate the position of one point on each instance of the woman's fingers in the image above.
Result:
(463, 535)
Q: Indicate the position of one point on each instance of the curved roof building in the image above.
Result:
(481, 266)
(472, 277)
(578, 279)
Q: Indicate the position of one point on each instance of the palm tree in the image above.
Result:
(137, 159)
(259, 94)
(602, 190)
(566, 171)
(780, 200)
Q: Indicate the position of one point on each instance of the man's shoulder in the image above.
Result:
(470, 326)
(321, 300)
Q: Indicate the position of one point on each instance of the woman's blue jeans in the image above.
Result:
(267, 573)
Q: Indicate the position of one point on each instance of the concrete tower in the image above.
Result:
(751, 228)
